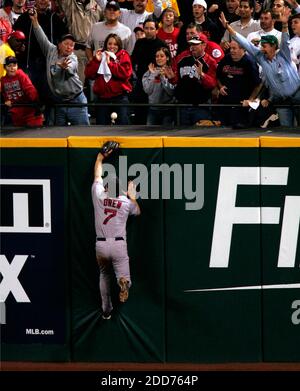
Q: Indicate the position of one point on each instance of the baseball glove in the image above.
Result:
(109, 147)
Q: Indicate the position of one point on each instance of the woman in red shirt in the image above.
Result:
(111, 69)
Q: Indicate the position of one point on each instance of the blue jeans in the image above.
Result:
(190, 115)
(103, 113)
(74, 115)
(287, 115)
(158, 116)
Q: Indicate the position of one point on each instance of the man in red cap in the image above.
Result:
(16, 41)
(212, 48)
(13, 47)
(196, 72)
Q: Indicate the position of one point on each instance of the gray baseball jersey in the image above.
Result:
(111, 213)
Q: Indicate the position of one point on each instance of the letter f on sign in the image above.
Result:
(227, 214)
(10, 281)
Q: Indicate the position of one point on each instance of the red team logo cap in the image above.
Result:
(18, 35)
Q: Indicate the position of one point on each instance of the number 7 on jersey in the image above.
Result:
(111, 213)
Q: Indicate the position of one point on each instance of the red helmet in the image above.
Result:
(17, 35)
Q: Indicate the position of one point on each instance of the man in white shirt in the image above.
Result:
(137, 16)
(111, 25)
(267, 28)
(245, 25)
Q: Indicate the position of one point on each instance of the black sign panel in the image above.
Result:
(33, 256)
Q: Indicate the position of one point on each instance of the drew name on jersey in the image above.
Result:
(112, 203)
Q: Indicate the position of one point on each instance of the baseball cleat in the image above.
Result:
(106, 315)
(124, 292)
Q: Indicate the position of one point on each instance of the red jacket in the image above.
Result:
(210, 80)
(189, 87)
(19, 89)
(121, 71)
(215, 51)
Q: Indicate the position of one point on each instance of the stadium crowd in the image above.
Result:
(58, 56)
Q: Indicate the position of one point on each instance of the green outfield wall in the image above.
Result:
(215, 254)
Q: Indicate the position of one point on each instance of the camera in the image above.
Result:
(32, 11)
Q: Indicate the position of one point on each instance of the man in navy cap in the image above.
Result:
(110, 25)
(138, 15)
(62, 76)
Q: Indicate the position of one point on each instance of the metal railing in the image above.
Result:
(175, 106)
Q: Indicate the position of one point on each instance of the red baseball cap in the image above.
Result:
(203, 37)
(18, 35)
(197, 39)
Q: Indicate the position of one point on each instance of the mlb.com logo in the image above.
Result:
(25, 206)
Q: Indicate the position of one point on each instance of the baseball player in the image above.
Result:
(111, 214)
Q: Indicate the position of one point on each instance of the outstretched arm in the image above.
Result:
(284, 46)
(226, 25)
(98, 167)
(294, 4)
(284, 19)
(107, 148)
(251, 49)
(40, 35)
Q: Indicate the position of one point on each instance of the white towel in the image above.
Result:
(104, 68)
(254, 104)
